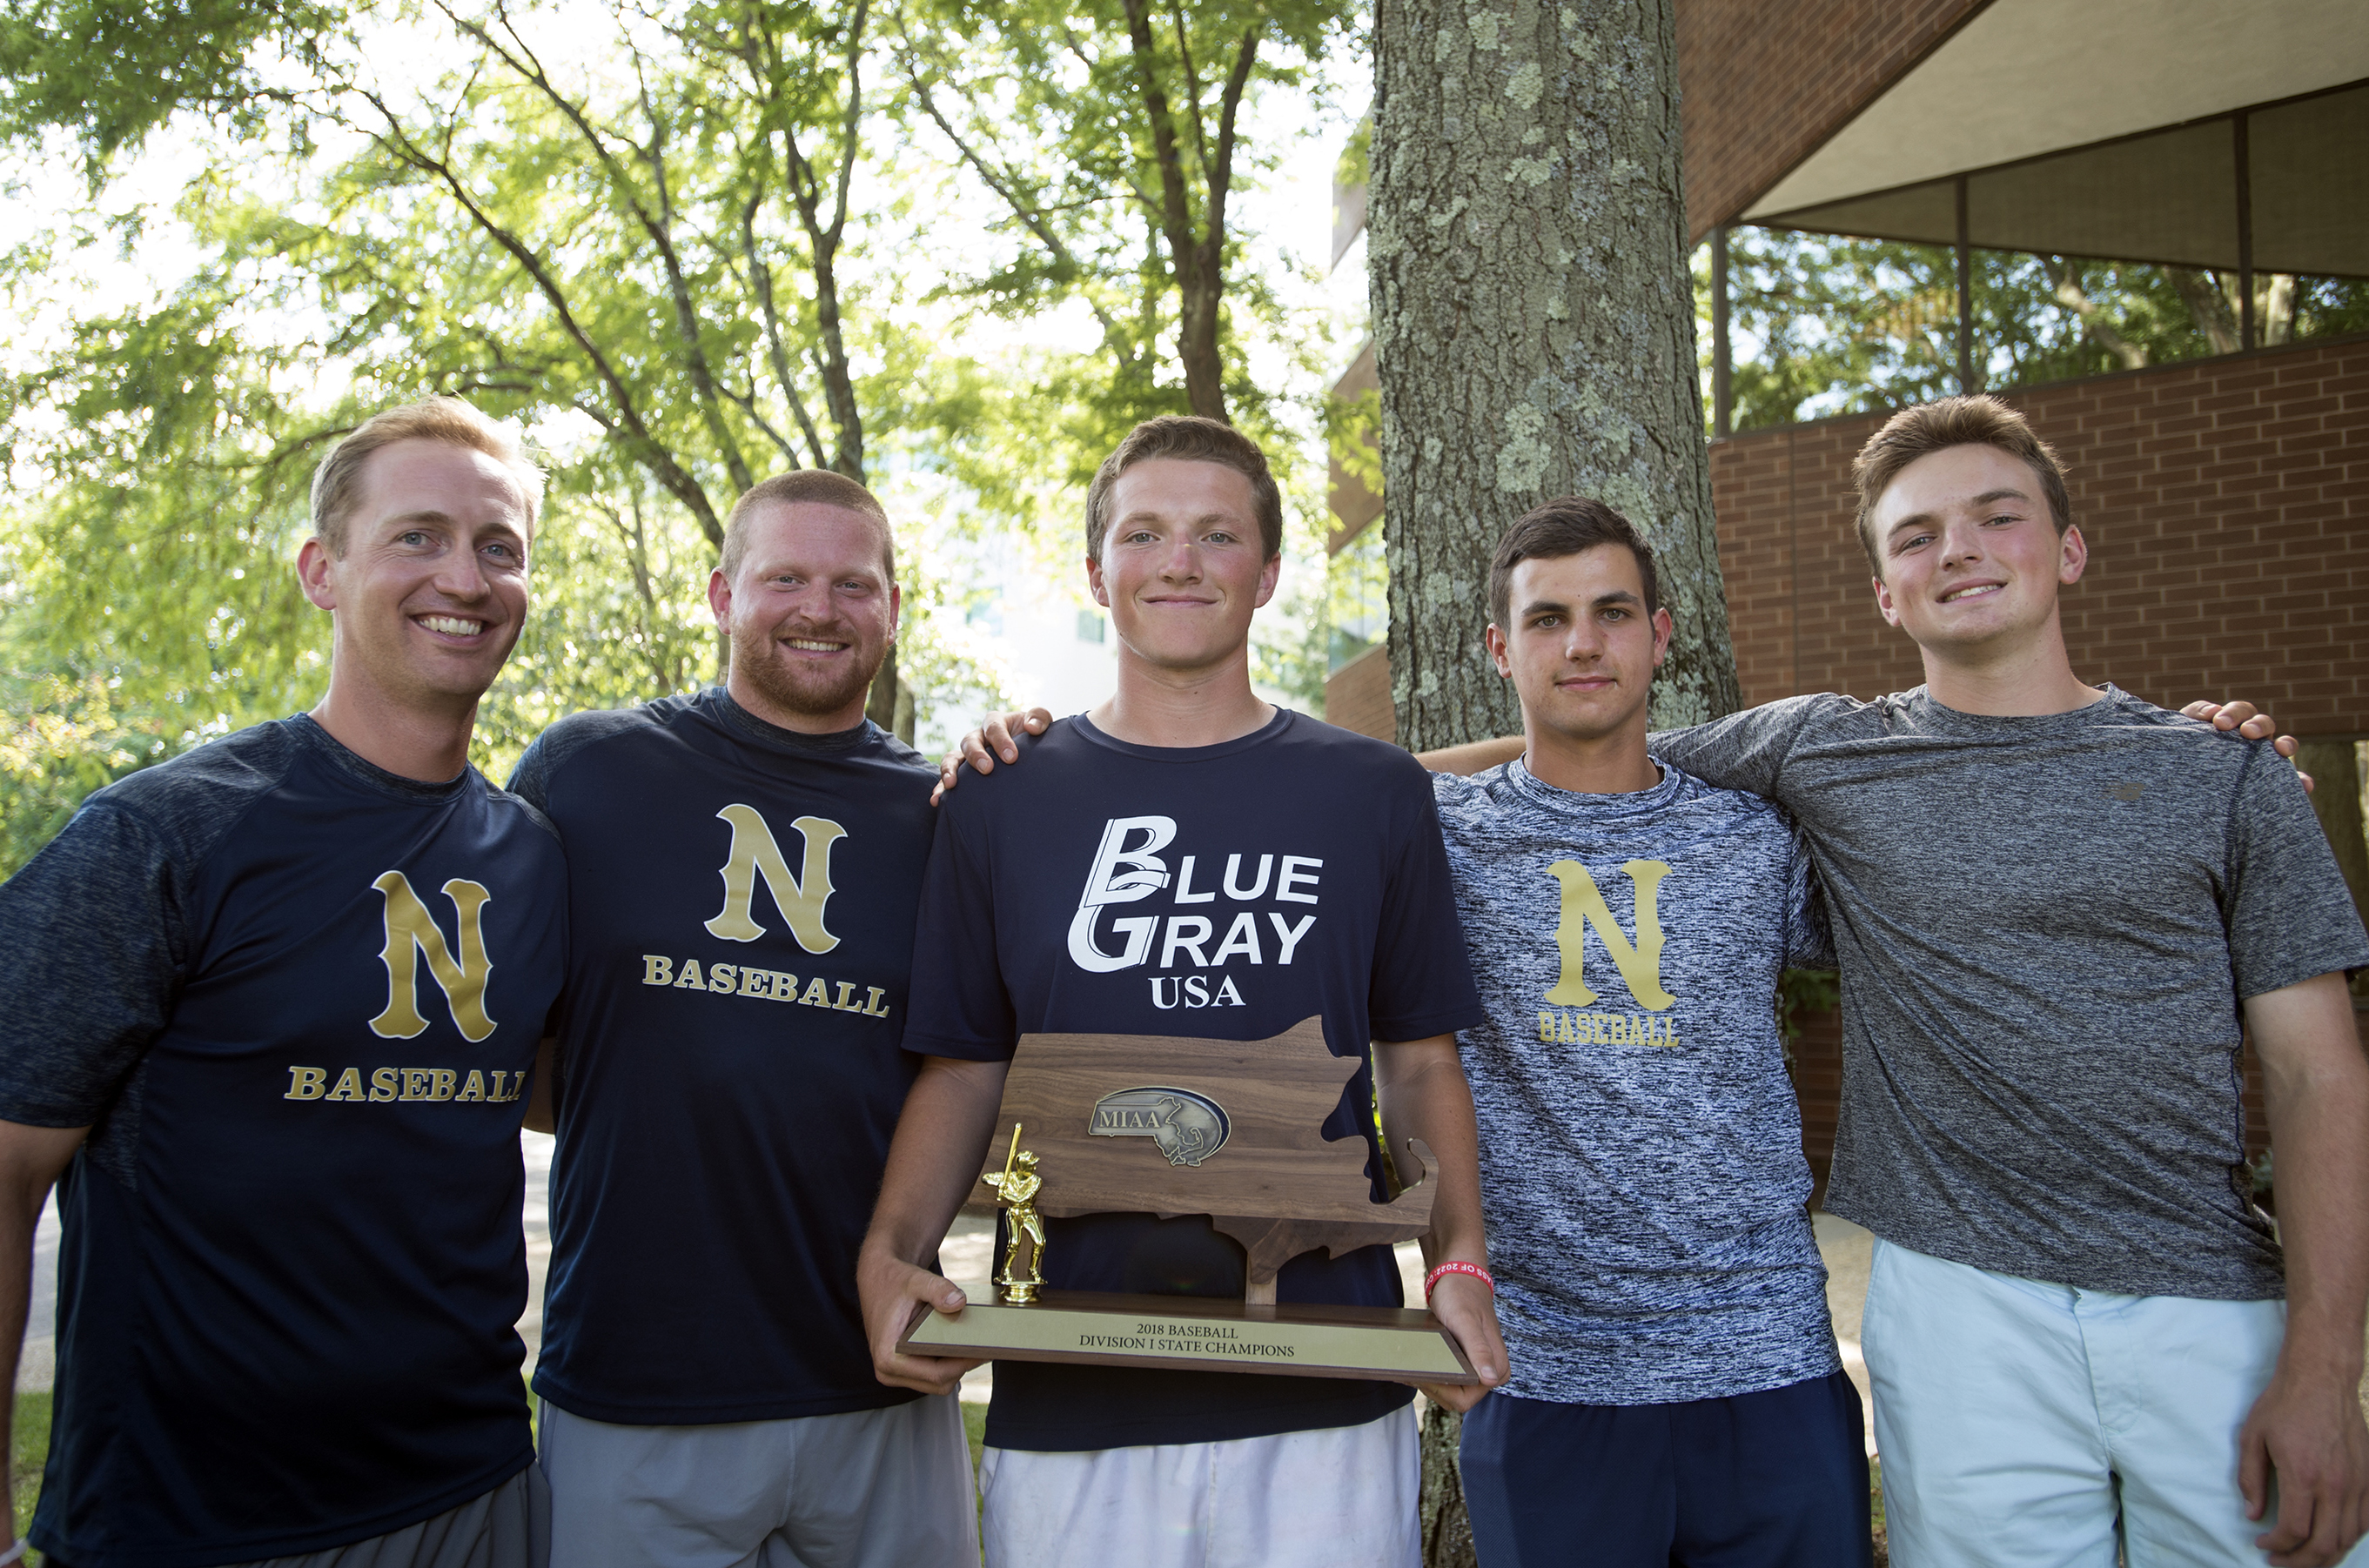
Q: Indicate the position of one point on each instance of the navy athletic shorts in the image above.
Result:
(1769, 1480)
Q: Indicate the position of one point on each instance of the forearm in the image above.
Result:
(2318, 1106)
(1422, 1095)
(1472, 757)
(17, 1228)
(30, 1159)
(941, 1143)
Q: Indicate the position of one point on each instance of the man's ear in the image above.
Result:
(1662, 627)
(1268, 576)
(316, 572)
(1883, 602)
(719, 600)
(1094, 582)
(2074, 556)
(1499, 652)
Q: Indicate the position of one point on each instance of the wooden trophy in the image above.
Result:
(1229, 1129)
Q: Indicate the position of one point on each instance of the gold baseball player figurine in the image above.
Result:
(1018, 1189)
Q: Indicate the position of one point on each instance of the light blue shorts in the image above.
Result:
(2015, 1419)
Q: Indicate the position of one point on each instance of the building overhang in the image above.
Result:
(2112, 128)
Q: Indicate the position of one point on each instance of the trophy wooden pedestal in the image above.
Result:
(1228, 1128)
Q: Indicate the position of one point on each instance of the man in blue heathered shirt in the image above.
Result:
(267, 1011)
(743, 869)
(1676, 1398)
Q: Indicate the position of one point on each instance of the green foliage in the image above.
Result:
(661, 262)
(111, 73)
(1814, 991)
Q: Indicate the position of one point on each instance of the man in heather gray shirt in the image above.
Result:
(1675, 1396)
(2054, 908)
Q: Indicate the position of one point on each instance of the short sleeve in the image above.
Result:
(93, 942)
(1809, 940)
(530, 780)
(1422, 975)
(1746, 749)
(961, 1006)
(2289, 915)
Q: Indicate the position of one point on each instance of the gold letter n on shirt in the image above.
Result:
(1639, 964)
(411, 931)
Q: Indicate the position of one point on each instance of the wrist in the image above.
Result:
(1454, 1267)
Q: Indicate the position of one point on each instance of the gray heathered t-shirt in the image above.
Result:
(2045, 927)
(1641, 1147)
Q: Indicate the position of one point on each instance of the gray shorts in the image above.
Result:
(508, 1527)
(864, 1488)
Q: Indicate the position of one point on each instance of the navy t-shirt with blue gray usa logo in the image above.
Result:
(1221, 892)
(297, 1000)
(741, 899)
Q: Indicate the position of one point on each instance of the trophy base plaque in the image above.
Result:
(1199, 1333)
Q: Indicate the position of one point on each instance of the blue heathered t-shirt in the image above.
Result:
(1222, 892)
(741, 899)
(1641, 1145)
(299, 997)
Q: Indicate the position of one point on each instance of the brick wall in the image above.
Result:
(1358, 696)
(1762, 85)
(2226, 507)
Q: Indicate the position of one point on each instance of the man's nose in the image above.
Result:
(461, 575)
(1961, 543)
(1181, 561)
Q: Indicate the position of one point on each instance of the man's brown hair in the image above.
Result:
(820, 486)
(1565, 526)
(1979, 420)
(336, 483)
(1194, 440)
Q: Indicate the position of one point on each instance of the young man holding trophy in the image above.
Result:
(1178, 863)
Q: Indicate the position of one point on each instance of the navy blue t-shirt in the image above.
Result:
(299, 997)
(741, 900)
(1224, 892)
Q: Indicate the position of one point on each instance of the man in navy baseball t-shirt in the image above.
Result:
(267, 1011)
(1187, 859)
(743, 870)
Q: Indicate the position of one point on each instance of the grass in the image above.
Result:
(1875, 1506)
(29, 1449)
(975, 1428)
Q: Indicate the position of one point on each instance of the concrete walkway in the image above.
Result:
(965, 1256)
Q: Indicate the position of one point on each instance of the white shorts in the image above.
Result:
(2013, 1416)
(1341, 1497)
(863, 1489)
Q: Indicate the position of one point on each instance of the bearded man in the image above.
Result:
(726, 1077)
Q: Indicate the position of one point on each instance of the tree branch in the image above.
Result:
(629, 427)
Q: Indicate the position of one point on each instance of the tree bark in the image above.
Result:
(1534, 329)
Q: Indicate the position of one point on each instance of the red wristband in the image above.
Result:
(1474, 1269)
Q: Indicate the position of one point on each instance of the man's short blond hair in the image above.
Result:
(820, 487)
(337, 482)
(1977, 420)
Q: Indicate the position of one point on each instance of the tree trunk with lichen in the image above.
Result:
(1534, 327)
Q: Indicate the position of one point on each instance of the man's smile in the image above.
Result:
(1971, 590)
(451, 625)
